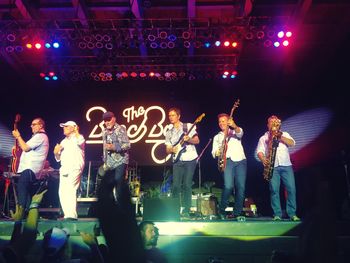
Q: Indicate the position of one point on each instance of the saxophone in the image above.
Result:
(272, 144)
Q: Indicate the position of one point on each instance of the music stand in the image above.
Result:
(199, 195)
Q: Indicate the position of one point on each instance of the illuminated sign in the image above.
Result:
(142, 125)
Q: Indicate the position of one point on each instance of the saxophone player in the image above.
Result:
(280, 166)
(235, 170)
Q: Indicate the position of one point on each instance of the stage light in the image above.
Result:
(207, 44)
(226, 73)
(98, 37)
(106, 38)
(285, 43)
(29, 46)
(280, 34)
(186, 35)
(163, 35)
(163, 45)
(153, 45)
(267, 43)
(99, 45)
(133, 74)
(234, 44)
(54, 78)
(82, 45)
(167, 74)
(260, 34)
(11, 37)
(47, 45)
(90, 45)
(47, 78)
(157, 75)
(37, 45)
(197, 44)
(143, 75)
(172, 37)
(87, 38)
(151, 38)
(19, 48)
(226, 43)
(187, 44)
(276, 44)
(232, 76)
(270, 33)
(288, 34)
(151, 74)
(42, 74)
(171, 44)
(217, 43)
(124, 74)
(234, 72)
(56, 45)
(9, 49)
(224, 76)
(249, 36)
(109, 46)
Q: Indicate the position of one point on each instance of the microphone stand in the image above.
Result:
(199, 195)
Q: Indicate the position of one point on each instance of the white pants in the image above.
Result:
(67, 191)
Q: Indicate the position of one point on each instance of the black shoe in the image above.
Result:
(70, 219)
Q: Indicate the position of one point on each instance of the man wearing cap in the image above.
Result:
(71, 153)
(32, 160)
(115, 149)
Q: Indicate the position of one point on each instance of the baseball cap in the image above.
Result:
(68, 123)
(107, 115)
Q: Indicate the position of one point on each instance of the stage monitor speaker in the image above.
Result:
(86, 207)
(161, 209)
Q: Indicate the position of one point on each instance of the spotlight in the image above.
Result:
(288, 34)
(106, 38)
(187, 44)
(197, 44)
(54, 78)
(109, 46)
(143, 75)
(151, 74)
(186, 35)
(207, 44)
(47, 45)
(172, 37)
(9, 49)
(167, 74)
(87, 38)
(11, 37)
(163, 45)
(133, 74)
(163, 35)
(276, 44)
(29, 46)
(171, 44)
(249, 36)
(280, 34)
(226, 43)
(37, 46)
(90, 45)
(285, 43)
(234, 44)
(56, 45)
(42, 74)
(217, 43)
(151, 38)
(51, 73)
(99, 45)
(82, 45)
(267, 43)
(153, 45)
(98, 37)
(260, 34)
(46, 78)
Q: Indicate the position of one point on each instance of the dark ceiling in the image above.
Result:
(320, 31)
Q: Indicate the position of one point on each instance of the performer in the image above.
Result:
(116, 145)
(282, 168)
(71, 154)
(32, 161)
(184, 168)
(235, 172)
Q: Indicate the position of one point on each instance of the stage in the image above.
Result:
(198, 240)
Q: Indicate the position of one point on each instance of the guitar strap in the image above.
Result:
(185, 128)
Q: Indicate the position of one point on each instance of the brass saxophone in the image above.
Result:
(272, 144)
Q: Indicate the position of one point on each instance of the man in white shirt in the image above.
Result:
(32, 161)
(282, 168)
(185, 165)
(235, 168)
(71, 153)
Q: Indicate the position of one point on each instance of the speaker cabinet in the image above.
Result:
(161, 209)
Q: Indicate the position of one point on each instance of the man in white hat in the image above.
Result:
(71, 153)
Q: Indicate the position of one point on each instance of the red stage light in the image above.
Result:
(124, 74)
(133, 74)
(51, 74)
(42, 74)
(142, 75)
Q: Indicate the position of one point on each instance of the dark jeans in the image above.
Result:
(235, 175)
(286, 175)
(26, 187)
(115, 178)
(182, 181)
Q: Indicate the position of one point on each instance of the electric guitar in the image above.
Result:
(16, 150)
(222, 157)
(180, 145)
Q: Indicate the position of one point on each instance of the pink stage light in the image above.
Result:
(285, 43)
(288, 34)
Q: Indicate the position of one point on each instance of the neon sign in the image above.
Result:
(145, 129)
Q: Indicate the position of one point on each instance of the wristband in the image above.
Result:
(34, 205)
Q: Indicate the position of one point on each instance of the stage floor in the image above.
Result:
(197, 240)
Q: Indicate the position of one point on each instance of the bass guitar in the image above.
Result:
(16, 150)
(180, 145)
(223, 148)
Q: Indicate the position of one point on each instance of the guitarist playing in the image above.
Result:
(185, 164)
(235, 170)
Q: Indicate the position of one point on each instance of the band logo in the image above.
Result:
(144, 125)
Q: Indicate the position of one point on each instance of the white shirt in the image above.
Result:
(282, 152)
(35, 158)
(73, 154)
(235, 150)
(173, 135)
